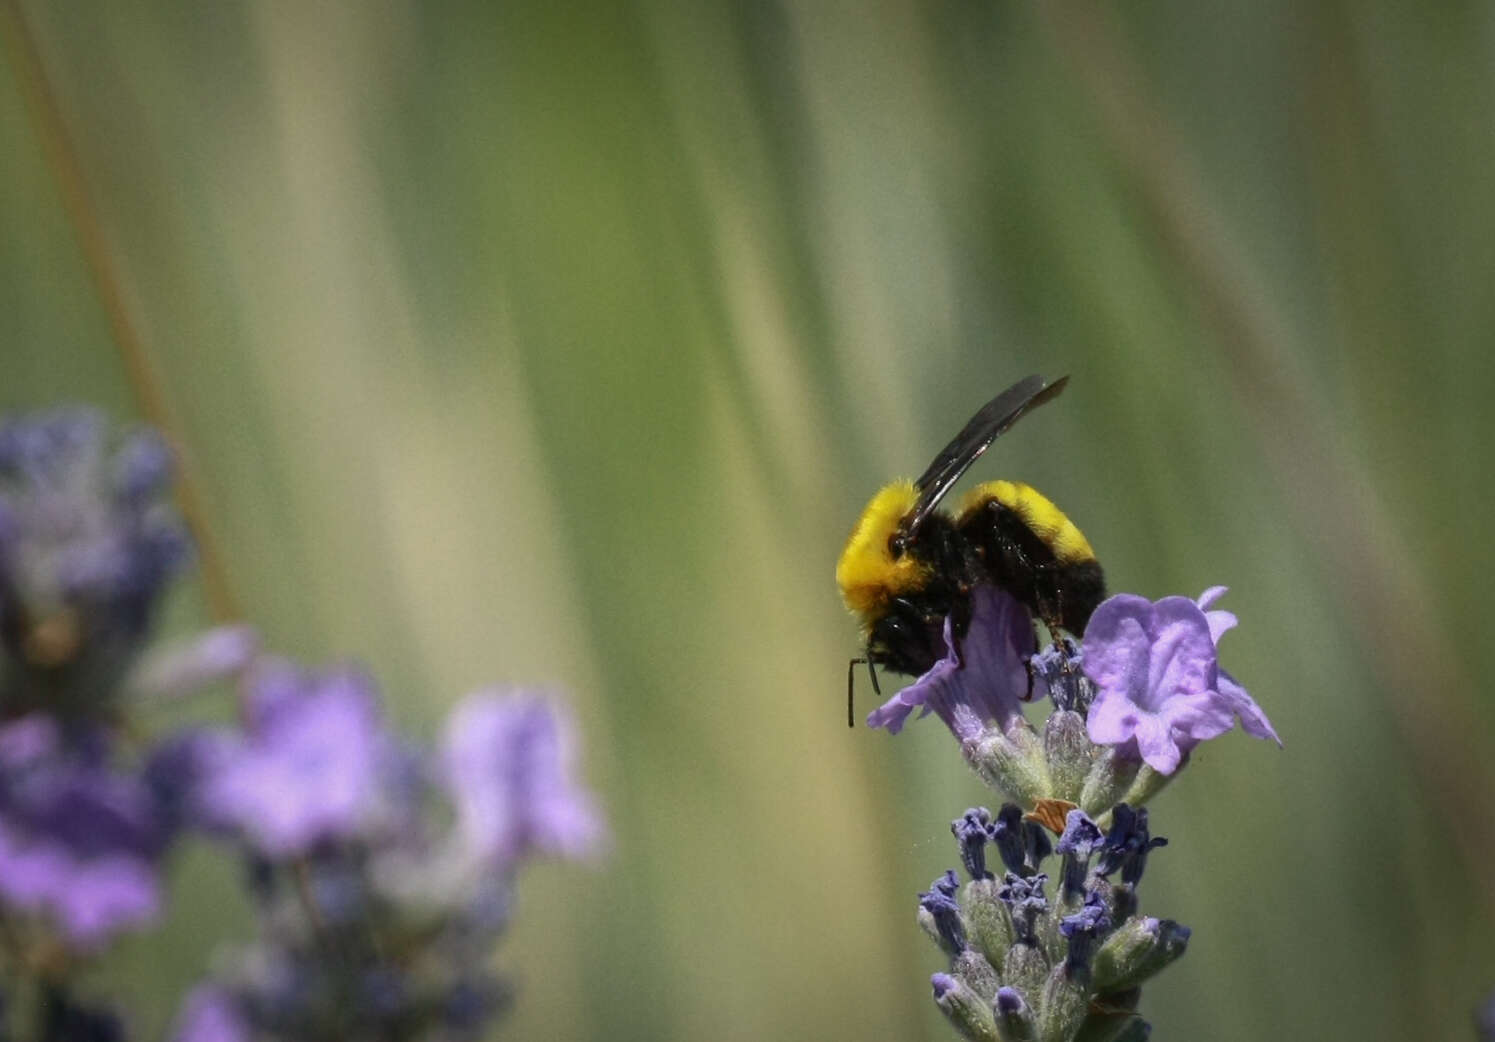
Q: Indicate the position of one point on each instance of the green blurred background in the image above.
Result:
(562, 344)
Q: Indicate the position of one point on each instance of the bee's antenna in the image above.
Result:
(851, 684)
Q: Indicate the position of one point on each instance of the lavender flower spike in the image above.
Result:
(981, 680)
(1160, 689)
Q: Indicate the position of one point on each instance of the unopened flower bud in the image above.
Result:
(966, 1011)
(1139, 949)
(1015, 1020)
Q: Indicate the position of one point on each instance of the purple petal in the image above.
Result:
(90, 899)
(1157, 745)
(996, 650)
(210, 1015)
(314, 768)
(1182, 654)
(508, 768)
(1220, 622)
(894, 713)
(28, 740)
(30, 872)
(207, 658)
(1117, 648)
(1199, 717)
(1253, 721)
(1113, 719)
(1210, 596)
(979, 682)
(275, 685)
(106, 895)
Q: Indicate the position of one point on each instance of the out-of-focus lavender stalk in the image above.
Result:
(376, 918)
(382, 873)
(88, 545)
(1035, 957)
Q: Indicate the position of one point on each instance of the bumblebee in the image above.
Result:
(909, 565)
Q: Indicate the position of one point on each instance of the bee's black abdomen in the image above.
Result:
(1013, 557)
(1010, 555)
(1083, 587)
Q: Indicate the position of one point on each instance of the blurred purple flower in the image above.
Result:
(314, 765)
(186, 666)
(210, 1014)
(983, 678)
(87, 544)
(507, 765)
(79, 842)
(1160, 690)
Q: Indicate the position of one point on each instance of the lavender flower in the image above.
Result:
(210, 1015)
(372, 922)
(939, 902)
(87, 545)
(1047, 970)
(1026, 902)
(1127, 845)
(1084, 930)
(1160, 689)
(1081, 839)
(1022, 844)
(1057, 669)
(507, 766)
(983, 678)
(79, 841)
(1128, 707)
(315, 766)
(972, 831)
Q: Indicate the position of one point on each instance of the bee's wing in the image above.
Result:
(995, 417)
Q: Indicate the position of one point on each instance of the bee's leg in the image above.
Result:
(960, 612)
(1048, 594)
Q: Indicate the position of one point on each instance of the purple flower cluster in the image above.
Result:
(79, 840)
(313, 764)
(1129, 703)
(1024, 964)
(87, 545)
(1151, 686)
(381, 871)
(361, 891)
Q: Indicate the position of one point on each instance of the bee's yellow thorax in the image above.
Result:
(867, 573)
(1047, 521)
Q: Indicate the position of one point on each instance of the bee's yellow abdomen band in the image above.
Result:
(1047, 521)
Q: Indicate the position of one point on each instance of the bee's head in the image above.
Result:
(877, 564)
